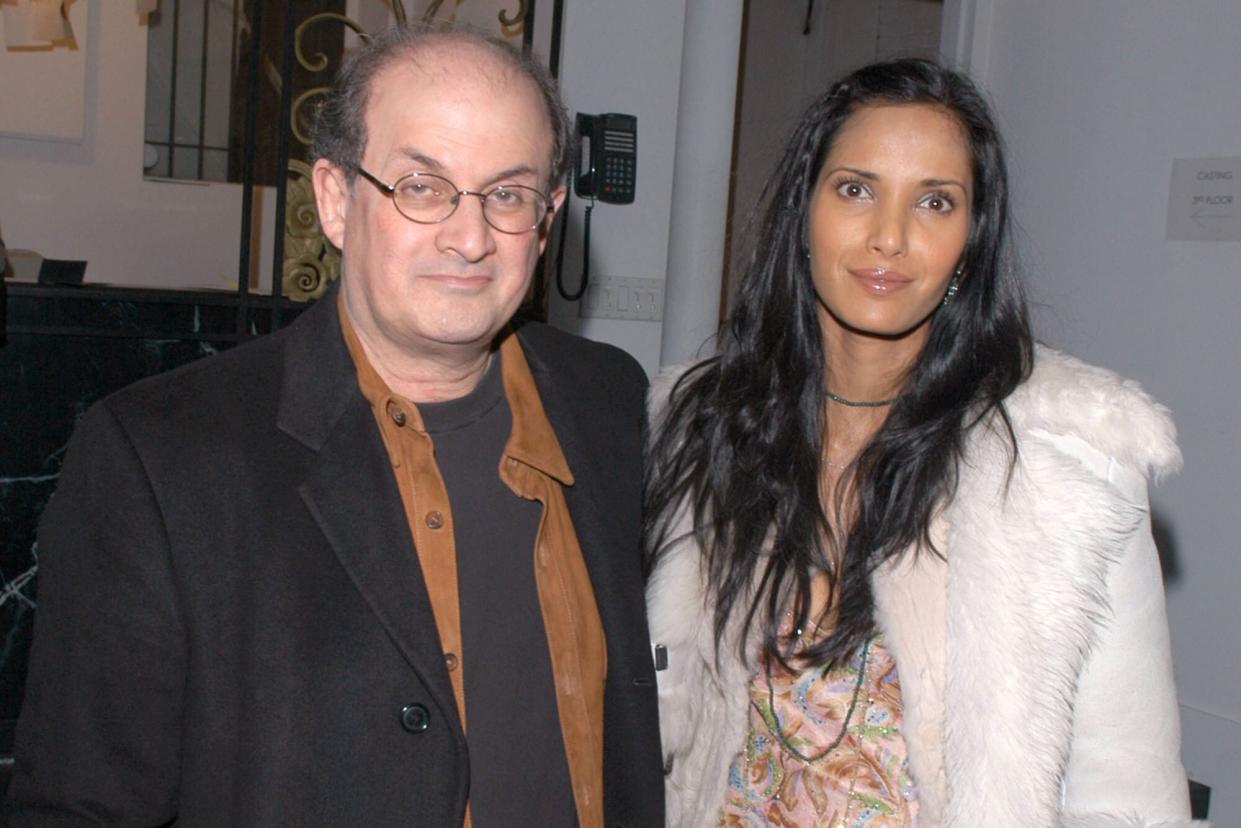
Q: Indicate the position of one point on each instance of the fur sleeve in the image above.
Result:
(1125, 763)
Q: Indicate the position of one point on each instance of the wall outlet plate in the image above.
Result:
(623, 297)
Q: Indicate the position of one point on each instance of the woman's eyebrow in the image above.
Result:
(861, 173)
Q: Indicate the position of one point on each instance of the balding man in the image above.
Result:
(382, 567)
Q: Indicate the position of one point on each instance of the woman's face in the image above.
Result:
(889, 218)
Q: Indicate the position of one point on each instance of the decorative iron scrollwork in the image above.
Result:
(517, 18)
(311, 263)
(320, 61)
(507, 20)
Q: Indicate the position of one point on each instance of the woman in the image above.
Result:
(902, 571)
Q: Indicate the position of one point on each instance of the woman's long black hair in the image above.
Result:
(741, 442)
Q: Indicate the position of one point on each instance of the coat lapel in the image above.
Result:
(911, 595)
(1028, 558)
(606, 518)
(565, 413)
(352, 495)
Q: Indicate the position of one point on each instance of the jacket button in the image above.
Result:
(415, 718)
(397, 415)
(434, 519)
(450, 661)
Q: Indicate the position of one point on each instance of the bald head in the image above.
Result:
(340, 128)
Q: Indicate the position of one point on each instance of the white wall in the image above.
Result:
(624, 57)
(701, 180)
(88, 200)
(1096, 99)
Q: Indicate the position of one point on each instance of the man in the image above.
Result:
(380, 568)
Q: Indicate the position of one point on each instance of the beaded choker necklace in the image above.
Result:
(858, 403)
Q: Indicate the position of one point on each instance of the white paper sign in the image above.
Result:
(1204, 200)
(47, 21)
(33, 23)
(43, 89)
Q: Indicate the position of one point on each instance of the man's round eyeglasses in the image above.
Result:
(429, 199)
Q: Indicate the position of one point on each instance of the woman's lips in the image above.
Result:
(880, 280)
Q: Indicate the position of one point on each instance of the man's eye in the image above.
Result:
(417, 190)
(505, 198)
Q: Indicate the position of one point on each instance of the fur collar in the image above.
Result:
(1065, 396)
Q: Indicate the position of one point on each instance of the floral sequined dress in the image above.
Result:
(862, 782)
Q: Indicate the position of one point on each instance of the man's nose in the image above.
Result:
(466, 232)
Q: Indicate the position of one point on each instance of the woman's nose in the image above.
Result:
(889, 230)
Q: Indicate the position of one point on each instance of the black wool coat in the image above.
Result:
(232, 627)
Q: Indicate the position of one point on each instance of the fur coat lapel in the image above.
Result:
(1018, 594)
(1025, 584)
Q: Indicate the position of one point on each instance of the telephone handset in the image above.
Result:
(610, 150)
(607, 167)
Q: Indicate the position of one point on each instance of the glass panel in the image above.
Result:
(198, 60)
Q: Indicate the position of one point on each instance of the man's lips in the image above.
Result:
(461, 280)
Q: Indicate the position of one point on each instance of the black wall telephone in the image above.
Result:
(607, 167)
(610, 150)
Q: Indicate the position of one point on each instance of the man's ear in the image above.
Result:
(558, 195)
(332, 199)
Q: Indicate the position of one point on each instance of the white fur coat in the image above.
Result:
(1034, 662)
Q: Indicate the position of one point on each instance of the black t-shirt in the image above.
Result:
(518, 771)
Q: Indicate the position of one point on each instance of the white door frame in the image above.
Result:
(965, 35)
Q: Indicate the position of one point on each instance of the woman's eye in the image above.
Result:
(938, 203)
(851, 189)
